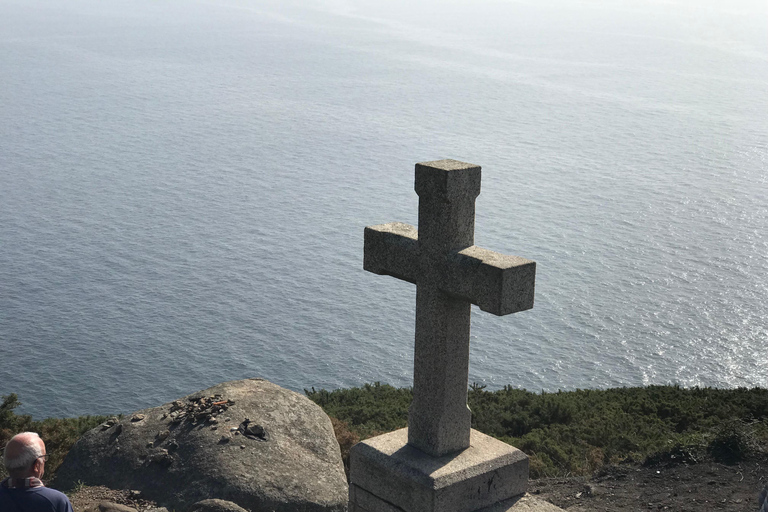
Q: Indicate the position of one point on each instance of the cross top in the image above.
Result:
(450, 274)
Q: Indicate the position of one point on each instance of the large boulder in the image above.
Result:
(250, 442)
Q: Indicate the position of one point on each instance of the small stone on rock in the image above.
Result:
(161, 457)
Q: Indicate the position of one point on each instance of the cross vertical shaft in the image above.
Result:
(439, 420)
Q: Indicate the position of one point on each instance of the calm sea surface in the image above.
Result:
(184, 186)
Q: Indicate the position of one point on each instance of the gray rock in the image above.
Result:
(216, 506)
(295, 467)
(108, 506)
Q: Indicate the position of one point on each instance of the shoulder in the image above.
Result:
(37, 499)
(58, 499)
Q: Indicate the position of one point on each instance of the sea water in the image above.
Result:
(184, 186)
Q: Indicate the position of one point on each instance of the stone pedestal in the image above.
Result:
(389, 475)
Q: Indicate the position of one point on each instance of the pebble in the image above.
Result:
(109, 423)
(161, 457)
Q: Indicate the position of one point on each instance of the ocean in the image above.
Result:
(184, 186)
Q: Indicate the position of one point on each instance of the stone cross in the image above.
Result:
(450, 274)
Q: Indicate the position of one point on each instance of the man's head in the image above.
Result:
(25, 455)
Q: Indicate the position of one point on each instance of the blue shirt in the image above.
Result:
(33, 499)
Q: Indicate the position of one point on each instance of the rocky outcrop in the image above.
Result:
(250, 442)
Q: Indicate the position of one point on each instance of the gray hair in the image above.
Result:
(27, 456)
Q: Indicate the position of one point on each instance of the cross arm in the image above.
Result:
(495, 282)
(392, 249)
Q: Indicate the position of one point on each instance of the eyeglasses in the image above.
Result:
(44, 457)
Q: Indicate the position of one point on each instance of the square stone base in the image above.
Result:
(388, 475)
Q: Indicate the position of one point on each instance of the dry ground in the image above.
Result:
(669, 485)
(85, 497)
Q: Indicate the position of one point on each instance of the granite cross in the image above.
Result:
(450, 274)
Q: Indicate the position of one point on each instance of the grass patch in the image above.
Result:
(577, 432)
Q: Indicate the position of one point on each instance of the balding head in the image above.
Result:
(22, 455)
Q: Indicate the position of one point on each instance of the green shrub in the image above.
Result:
(370, 410)
(576, 432)
(59, 434)
(733, 440)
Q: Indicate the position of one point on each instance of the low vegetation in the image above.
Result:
(576, 432)
(564, 433)
(59, 434)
